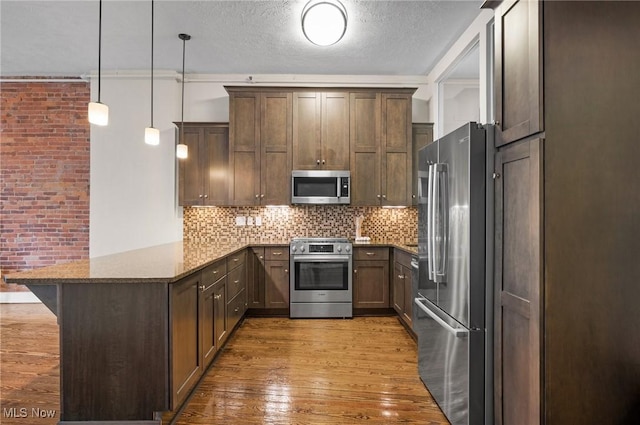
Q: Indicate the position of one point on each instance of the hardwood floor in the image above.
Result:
(272, 371)
(281, 371)
(29, 365)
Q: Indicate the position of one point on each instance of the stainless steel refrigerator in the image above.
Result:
(452, 300)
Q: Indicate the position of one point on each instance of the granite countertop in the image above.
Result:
(165, 263)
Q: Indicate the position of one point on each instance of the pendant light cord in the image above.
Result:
(152, 62)
(99, 48)
(184, 45)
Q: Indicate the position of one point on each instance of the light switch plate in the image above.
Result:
(258, 221)
(249, 221)
(241, 220)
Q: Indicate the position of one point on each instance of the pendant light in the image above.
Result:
(151, 134)
(98, 111)
(182, 150)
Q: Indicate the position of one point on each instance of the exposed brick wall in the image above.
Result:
(44, 163)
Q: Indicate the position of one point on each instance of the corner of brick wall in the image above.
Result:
(44, 163)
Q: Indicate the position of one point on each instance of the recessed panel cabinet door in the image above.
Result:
(518, 283)
(244, 149)
(276, 148)
(276, 284)
(518, 69)
(371, 284)
(364, 135)
(396, 185)
(190, 176)
(216, 164)
(335, 131)
(306, 130)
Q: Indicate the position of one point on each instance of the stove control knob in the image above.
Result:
(302, 249)
(293, 248)
(347, 248)
(339, 249)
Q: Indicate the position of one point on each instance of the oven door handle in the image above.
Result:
(320, 258)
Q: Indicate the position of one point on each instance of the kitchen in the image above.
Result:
(144, 219)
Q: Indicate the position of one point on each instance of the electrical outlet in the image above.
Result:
(258, 221)
(249, 221)
(241, 220)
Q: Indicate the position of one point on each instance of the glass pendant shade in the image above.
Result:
(98, 113)
(324, 22)
(182, 151)
(152, 136)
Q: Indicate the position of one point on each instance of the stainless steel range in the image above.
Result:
(321, 278)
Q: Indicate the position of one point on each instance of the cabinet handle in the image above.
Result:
(370, 253)
(201, 287)
(236, 281)
(235, 260)
(237, 309)
(215, 272)
(400, 276)
(217, 297)
(277, 253)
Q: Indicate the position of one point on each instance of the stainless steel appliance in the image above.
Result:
(451, 315)
(320, 187)
(321, 278)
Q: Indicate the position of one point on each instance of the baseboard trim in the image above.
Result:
(18, 298)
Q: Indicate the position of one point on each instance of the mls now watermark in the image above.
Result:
(23, 412)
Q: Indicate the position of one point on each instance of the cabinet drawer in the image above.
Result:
(377, 253)
(402, 257)
(276, 253)
(235, 282)
(236, 259)
(235, 309)
(215, 271)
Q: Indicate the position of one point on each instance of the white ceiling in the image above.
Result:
(60, 38)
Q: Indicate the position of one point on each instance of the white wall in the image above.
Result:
(461, 100)
(478, 32)
(132, 189)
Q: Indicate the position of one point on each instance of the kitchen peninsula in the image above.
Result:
(139, 329)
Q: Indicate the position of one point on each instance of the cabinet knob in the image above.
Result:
(199, 196)
(206, 196)
(384, 196)
(400, 276)
(262, 195)
(286, 270)
(257, 196)
(217, 297)
(378, 196)
(496, 176)
(215, 272)
(236, 281)
(413, 196)
(323, 161)
(497, 122)
(355, 270)
(201, 287)
(318, 161)
(261, 257)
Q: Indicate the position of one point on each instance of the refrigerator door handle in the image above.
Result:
(443, 222)
(457, 332)
(430, 238)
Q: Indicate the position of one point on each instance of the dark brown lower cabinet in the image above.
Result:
(371, 277)
(402, 286)
(518, 283)
(276, 277)
(186, 343)
(255, 278)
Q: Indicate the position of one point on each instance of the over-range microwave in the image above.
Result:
(320, 187)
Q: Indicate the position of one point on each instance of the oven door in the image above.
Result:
(321, 278)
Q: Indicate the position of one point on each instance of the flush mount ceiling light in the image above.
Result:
(324, 22)
(99, 112)
(152, 134)
(182, 150)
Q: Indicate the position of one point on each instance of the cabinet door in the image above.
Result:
(398, 289)
(371, 284)
(215, 142)
(364, 142)
(276, 148)
(396, 149)
(518, 283)
(407, 312)
(244, 149)
(306, 130)
(335, 131)
(255, 278)
(276, 284)
(208, 325)
(421, 135)
(518, 69)
(220, 327)
(186, 344)
(190, 176)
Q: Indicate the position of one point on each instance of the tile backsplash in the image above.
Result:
(218, 224)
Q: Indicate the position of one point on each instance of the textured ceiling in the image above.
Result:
(60, 38)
